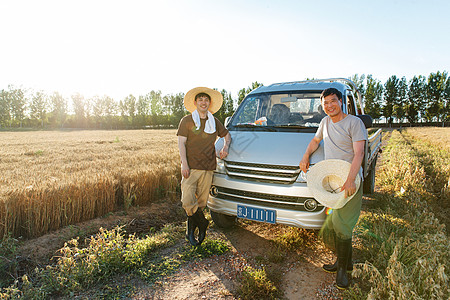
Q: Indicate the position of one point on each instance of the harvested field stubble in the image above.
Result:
(52, 179)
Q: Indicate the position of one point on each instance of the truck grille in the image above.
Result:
(269, 200)
(262, 172)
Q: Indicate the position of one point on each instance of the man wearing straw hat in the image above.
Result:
(344, 139)
(197, 134)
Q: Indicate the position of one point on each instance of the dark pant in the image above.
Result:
(342, 221)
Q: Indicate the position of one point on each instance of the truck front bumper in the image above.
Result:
(291, 214)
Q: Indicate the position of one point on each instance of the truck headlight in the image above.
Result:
(220, 167)
(214, 191)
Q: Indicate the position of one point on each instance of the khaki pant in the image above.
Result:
(195, 190)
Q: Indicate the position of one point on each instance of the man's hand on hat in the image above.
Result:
(349, 187)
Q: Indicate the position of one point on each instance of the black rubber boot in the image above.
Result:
(343, 248)
(332, 268)
(191, 225)
(202, 224)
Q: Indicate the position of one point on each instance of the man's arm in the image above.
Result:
(185, 171)
(224, 152)
(349, 185)
(312, 146)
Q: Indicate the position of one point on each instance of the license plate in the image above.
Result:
(256, 214)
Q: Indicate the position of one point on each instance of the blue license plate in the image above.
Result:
(256, 214)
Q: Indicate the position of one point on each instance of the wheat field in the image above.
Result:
(403, 233)
(49, 179)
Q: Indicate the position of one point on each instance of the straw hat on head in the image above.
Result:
(325, 180)
(216, 99)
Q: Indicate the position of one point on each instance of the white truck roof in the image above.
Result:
(300, 85)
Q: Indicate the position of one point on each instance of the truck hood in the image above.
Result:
(274, 148)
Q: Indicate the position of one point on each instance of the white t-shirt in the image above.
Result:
(338, 137)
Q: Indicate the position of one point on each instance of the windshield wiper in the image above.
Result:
(263, 128)
(246, 125)
(291, 126)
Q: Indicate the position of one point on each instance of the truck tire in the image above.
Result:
(369, 181)
(223, 221)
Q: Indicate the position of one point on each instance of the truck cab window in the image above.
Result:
(281, 110)
(351, 104)
(249, 112)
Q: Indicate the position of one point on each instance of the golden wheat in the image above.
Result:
(52, 179)
(438, 136)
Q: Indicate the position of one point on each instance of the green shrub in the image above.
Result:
(294, 238)
(256, 285)
(8, 261)
(207, 249)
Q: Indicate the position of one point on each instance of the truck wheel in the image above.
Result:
(223, 221)
(369, 181)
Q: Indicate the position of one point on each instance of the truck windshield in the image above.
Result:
(280, 110)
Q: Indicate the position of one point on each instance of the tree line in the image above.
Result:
(20, 108)
(421, 99)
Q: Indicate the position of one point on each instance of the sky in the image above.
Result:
(117, 48)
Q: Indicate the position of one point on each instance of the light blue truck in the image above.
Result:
(260, 179)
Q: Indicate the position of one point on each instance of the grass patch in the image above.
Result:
(255, 284)
(276, 254)
(106, 255)
(159, 267)
(166, 265)
(294, 238)
(207, 249)
(8, 261)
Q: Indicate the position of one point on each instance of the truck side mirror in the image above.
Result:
(367, 120)
(227, 120)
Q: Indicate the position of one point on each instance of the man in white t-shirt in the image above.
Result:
(344, 137)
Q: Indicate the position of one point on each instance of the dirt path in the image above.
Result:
(299, 275)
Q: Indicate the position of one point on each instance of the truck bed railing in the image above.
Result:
(374, 146)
